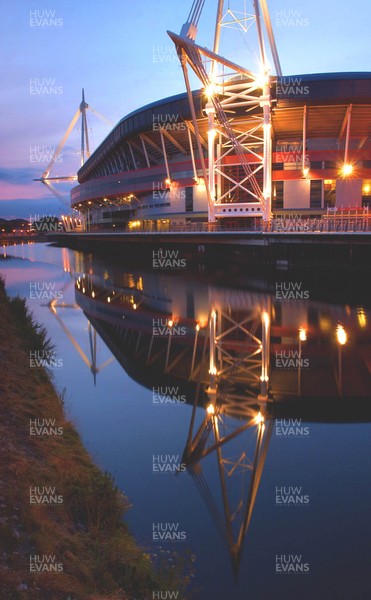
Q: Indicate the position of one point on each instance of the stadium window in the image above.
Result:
(315, 193)
(278, 194)
(330, 164)
(190, 305)
(189, 199)
(330, 192)
(366, 193)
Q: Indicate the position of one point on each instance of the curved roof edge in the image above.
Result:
(336, 76)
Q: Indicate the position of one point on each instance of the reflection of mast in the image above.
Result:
(237, 353)
(91, 363)
(209, 439)
(227, 367)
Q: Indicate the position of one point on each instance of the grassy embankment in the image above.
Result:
(85, 533)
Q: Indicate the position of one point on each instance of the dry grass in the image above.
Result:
(101, 561)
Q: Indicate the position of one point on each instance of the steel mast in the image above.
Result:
(84, 150)
(239, 175)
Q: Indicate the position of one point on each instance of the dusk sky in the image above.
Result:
(120, 53)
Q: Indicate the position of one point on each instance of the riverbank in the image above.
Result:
(61, 519)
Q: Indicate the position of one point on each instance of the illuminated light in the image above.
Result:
(197, 327)
(213, 371)
(305, 172)
(135, 306)
(168, 181)
(302, 334)
(212, 89)
(366, 188)
(134, 224)
(201, 182)
(362, 319)
(83, 290)
(341, 335)
(347, 169)
(262, 80)
(170, 322)
(108, 299)
(89, 202)
(211, 133)
(93, 294)
(210, 409)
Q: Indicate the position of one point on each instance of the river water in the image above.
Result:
(236, 420)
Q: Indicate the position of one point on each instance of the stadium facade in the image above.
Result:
(147, 174)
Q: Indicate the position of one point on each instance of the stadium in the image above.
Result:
(241, 150)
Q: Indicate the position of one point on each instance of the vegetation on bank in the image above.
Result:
(84, 533)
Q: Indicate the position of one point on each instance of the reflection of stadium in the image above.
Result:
(241, 347)
(227, 352)
(148, 169)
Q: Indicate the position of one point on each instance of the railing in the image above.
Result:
(333, 222)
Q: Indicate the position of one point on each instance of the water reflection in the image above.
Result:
(247, 344)
(242, 363)
(241, 358)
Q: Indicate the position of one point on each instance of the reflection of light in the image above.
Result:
(259, 419)
(324, 323)
(83, 290)
(341, 335)
(361, 315)
(210, 409)
(302, 334)
(135, 306)
(93, 294)
(265, 318)
(202, 320)
(305, 172)
(108, 299)
(170, 322)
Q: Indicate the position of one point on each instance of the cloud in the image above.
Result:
(25, 207)
(18, 176)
